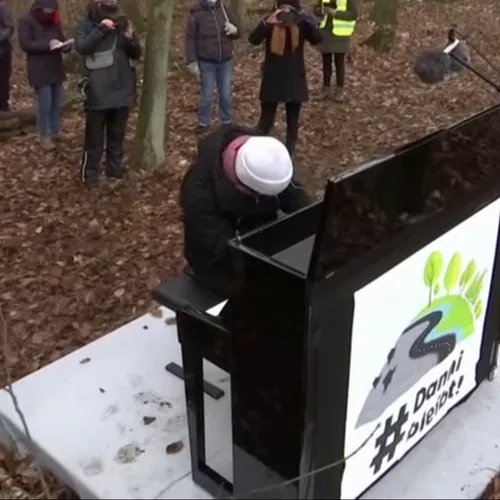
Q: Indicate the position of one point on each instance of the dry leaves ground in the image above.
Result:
(77, 263)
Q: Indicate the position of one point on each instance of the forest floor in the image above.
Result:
(77, 263)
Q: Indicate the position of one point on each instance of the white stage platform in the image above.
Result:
(86, 415)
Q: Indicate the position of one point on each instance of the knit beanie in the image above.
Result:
(263, 164)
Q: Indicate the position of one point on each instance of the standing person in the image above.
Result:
(337, 23)
(6, 32)
(239, 181)
(283, 71)
(39, 33)
(209, 54)
(107, 41)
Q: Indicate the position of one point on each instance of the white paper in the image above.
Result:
(61, 45)
(215, 311)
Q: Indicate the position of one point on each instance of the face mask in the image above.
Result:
(45, 18)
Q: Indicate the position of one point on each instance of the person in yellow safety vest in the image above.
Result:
(337, 23)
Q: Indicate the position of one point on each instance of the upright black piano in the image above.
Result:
(364, 319)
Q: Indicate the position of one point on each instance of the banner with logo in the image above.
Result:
(416, 340)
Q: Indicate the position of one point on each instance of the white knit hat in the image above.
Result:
(263, 164)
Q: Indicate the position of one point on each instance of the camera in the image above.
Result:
(287, 17)
(121, 23)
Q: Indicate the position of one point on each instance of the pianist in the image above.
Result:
(239, 181)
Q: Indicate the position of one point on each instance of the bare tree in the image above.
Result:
(240, 10)
(149, 142)
(385, 16)
(133, 11)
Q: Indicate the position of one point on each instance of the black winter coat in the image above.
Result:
(45, 67)
(284, 77)
(113, 87)
(206, 39)
(213, 210)
(6, 29)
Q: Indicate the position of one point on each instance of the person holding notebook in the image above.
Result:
(40, 37)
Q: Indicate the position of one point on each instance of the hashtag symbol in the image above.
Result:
(394, 431)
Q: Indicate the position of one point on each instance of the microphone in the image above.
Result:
(460, 53)
(434, 66)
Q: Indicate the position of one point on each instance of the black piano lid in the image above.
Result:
(367, 207)
(278, 243)
(371, 206)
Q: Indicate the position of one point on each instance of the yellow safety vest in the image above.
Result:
(340, 27)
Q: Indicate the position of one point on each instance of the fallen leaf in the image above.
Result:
(175, 447)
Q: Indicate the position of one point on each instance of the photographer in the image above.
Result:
(283, 71)
(107, 42)
(338, 20)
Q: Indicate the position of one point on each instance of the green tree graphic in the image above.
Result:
(478, 309)
(452, 273)
(468, 273)
(470, 284)
(473, 291)
(432, 271)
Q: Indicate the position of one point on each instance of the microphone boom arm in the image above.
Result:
(449, 50)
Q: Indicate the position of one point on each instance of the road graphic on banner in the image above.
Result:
(432, 335)
(418, 334)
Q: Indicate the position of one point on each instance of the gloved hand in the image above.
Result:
(230, 29)
(194, 69)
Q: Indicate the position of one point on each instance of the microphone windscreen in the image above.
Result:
(461, 52)
(432, 66)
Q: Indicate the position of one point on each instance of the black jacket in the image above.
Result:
(206, 39)
(6, 29)
(113, 87)
(284, 76)
(213, 210)
(45, 67)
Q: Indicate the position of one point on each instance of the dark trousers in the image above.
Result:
(104, 129)
(5, 72)
(339, 60)
(268, 116)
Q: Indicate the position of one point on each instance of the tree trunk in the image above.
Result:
(239, 10)
(133, 11)
(385, 16)
(149, 142)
